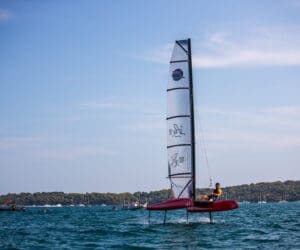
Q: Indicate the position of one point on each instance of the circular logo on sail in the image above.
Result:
(177, 74)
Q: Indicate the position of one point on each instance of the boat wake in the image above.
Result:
(176, 221)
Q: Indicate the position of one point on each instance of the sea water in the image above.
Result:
(262, 226)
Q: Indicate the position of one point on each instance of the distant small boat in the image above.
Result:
(262, 199)
(9, 206)
(134, 206)
(282, 201)
(244, 202)
(12, 208)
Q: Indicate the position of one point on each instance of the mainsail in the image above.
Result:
(180, 122)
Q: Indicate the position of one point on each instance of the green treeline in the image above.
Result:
(270, 192)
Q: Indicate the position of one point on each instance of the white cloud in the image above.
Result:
(268, 129)
(282, 117)
(154, 122)
(5, 15)
(158, 55)
(71, 152)
(292, 112)
(49, 148)
(12, 143)
(264, 47)
(99, 105)
(218, 37)
(129, 105)
(145, 114)
(248, 57)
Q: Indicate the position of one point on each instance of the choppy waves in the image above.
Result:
(266, 226)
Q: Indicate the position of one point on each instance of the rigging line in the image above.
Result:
(202, 150)
(173, 184)
(205, 152)
(203, 147)
(180, 45)
(179, 186)
(188, 183)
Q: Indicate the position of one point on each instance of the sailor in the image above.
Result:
(215, 195)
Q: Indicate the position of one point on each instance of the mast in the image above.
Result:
(192, 119)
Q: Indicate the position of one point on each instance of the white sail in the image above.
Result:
(180, 142)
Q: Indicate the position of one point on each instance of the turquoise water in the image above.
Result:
(264, 226)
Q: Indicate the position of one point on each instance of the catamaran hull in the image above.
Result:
(194, 207)
(217, 206)
(171, 204)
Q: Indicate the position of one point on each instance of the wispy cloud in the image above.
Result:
(119, 104)
(274, 128)
(10, 144)
(151, 123)
(263, 47)
(72, 152)
(105, 103)
(276, 117)
(5, 15)
(158, 55)
(99, 105)
(37, 147)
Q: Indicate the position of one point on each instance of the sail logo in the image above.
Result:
(176, 131)
(176, 161)
(177, 74)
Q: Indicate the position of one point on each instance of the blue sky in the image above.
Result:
(83, 100)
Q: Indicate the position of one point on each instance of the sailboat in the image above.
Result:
(181, 139)
(8, 206)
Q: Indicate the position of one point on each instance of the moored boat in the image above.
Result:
(132, 206)
(12, 208)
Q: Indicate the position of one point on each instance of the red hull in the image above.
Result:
(194, 207)
(217, 206)
(171, 204)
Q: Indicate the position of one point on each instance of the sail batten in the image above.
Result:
(180, 144)
(177, 88)
(186, 175)
(173, 117)
(178, 61)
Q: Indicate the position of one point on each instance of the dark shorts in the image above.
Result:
(212, 197)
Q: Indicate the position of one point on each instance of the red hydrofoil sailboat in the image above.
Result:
(181, 139)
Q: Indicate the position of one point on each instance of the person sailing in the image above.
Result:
(215, 195)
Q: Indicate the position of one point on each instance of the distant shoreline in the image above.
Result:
(259, 192)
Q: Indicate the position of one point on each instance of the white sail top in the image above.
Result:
(180, 140)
